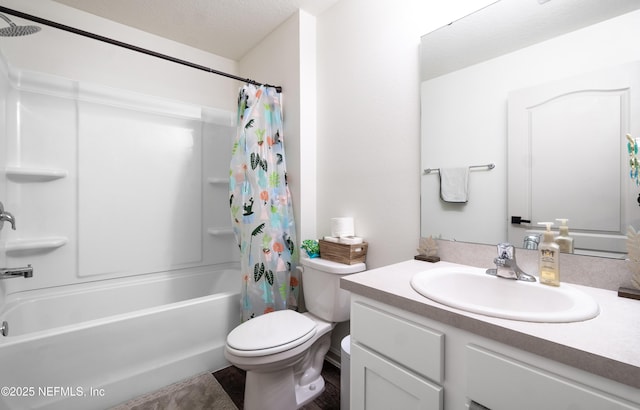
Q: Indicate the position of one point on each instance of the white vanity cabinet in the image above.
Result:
(403, 360)
(386, 372)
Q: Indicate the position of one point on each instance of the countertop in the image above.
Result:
(607, 345)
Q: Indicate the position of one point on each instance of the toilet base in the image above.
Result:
(309, 392)
(278, 391)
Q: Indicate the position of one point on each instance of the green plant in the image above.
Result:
(312, 247)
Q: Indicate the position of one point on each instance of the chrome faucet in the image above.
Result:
(8, 273)
(6, 216)
(506, 266)
(531, 241)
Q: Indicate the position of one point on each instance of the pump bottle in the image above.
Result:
(564, 241)
(548, 262)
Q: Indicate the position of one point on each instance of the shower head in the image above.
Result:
(14, 30)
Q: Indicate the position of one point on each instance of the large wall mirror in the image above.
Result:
(547, 92)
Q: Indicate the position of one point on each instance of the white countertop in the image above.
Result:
(607, 345)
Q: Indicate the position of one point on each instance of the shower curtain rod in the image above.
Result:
(129, 46)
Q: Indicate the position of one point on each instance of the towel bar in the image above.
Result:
(488, 166)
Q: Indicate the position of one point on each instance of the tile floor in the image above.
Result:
(232, 381)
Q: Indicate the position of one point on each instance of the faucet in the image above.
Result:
(6, 216)
(506, 266)
(8, 273)
(531, 241)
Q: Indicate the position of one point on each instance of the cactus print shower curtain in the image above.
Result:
(261, 209)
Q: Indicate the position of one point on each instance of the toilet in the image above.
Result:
(283, 351)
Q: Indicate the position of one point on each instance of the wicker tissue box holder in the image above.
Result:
(343, 253)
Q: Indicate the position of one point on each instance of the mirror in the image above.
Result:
(471, 67)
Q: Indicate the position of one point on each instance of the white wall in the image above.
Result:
(368, 125)
(369, 118)
(368, 121)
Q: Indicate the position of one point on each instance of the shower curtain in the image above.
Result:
(261, 209)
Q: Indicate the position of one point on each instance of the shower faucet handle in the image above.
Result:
(8, 217)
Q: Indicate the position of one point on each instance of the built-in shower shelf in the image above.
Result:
(218, 181)
(30, 174)
(36, 244)
(220, 231)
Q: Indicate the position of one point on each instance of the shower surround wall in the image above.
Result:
(132, 183)
(106, 183)
(118, 191)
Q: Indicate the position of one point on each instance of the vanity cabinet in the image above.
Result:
(403, 360)
(386, 372)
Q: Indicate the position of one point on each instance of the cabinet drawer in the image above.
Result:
(500, 382)
(409, 344)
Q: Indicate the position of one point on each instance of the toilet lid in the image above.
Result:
(271, 333)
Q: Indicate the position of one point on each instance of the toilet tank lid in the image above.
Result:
(328, 266)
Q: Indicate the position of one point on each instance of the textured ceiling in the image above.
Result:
(229, 28)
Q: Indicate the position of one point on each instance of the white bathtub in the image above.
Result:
(95, 345)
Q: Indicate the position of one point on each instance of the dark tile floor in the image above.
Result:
(232, 381)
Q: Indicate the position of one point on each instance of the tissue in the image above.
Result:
(343, 226)
(350, 240)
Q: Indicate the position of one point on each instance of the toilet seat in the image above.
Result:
(271, 333)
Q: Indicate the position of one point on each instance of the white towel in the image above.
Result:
(454, 184)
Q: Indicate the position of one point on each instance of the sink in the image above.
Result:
(472, 290)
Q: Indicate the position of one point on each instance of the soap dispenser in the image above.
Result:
(564, 241)
(548, 254)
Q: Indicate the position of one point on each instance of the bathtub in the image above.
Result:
(95, 345)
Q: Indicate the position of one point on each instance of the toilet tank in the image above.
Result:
(321, 287)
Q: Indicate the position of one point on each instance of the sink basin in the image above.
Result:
(472, 290)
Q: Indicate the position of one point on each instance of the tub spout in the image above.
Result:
(8, 217)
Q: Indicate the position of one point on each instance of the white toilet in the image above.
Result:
(283, 351)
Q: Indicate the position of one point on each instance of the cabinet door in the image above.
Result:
(377, 383)
(500, 382)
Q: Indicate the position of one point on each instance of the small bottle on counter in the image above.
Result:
(548, 262)
(564, 241)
